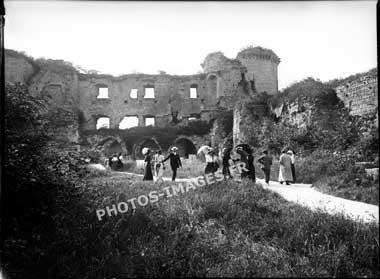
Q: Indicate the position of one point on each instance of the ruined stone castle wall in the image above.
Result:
(264, 73)
(261, 67)
(360, 96)
(17, 69)
(218, 87)
(172, 96)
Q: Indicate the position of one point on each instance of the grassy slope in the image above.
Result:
(225, 229)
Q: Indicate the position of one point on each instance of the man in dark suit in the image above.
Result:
(266, 161)
(175, 161)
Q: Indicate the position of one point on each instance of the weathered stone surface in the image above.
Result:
(261, 66)
(360, 96)
(223, 82)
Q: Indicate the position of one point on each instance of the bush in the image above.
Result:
(337, 174)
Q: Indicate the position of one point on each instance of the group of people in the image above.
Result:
(114, 162)
(286, 171)
(158, 161)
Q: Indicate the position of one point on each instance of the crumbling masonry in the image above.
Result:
(149, 99)
(162, 99)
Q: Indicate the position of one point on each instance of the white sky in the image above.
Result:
(324, 40)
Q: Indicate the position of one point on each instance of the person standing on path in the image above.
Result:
(291, 154)
(226, 157)
(159, 166)
(175, 161)
(211, 161)
(247, 158)
(148, 175)
(285, 173)
(266, 161)
(119, 161)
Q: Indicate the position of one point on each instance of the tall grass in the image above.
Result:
(225, 229)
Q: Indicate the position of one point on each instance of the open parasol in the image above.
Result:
(144, 150)
(203, 149)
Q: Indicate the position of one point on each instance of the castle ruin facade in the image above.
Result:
(142, 99)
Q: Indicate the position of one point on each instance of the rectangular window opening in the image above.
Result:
(103, 123)
(149, 93)
(103, 93)
(193, 93)
(149, 121)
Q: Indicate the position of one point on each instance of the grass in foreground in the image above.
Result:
(225, 229)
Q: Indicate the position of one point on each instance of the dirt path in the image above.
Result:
(307, 196)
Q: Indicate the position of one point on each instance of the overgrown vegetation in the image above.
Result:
(50, 229)
(327, 146)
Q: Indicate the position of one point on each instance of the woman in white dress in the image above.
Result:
(211, 161)
(285, 174)
(159, 166)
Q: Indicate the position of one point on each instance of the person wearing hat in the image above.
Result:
(226, 159)
(211, 161)
(114, 162)
(175, 161)
(291, 154)
(266, 160)
(148, 175)
(247, 158)
(285, 173)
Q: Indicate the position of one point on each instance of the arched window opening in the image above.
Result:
(113, 148)
(149, 143)
(185, 147)
(133, 93)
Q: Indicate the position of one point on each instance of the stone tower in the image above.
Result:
(261, 65)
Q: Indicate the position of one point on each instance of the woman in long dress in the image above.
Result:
(247, 158)
(285, 173)
(226, 158)
(148, 169)
(159, 166)
(291, 154)
(211, 162)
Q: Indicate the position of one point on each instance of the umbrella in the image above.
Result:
(203, 149)
(245, 147)
(144, 150)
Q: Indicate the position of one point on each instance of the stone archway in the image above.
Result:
(185, 147)
(112, 145)
(148, 142)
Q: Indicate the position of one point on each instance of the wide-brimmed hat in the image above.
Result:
(173, 148)
(145, 150)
